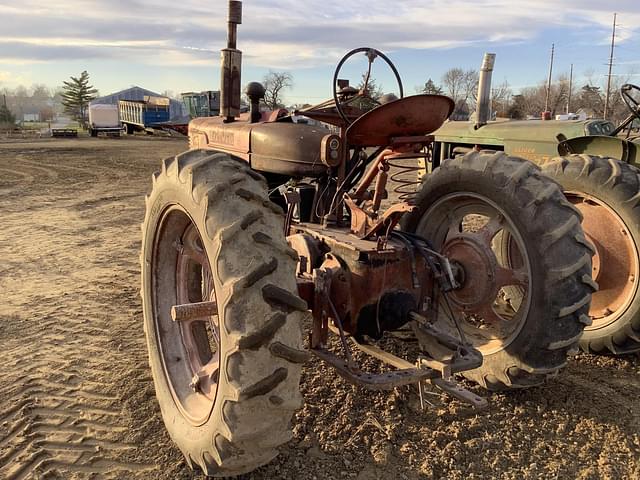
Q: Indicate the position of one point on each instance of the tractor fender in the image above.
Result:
(599, 145)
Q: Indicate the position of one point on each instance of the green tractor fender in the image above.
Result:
(612, 147)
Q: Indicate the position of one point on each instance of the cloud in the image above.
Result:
(284, 33)
(13, 78)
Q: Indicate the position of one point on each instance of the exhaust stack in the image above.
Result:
(231, 66)
(483, 107)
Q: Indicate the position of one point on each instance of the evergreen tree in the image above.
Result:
(372, 93)
(6, 117)
(431, 88)
(76, 95)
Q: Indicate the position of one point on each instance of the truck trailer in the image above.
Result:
(137, 115)
(104, 119)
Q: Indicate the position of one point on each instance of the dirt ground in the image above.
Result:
(76, 396)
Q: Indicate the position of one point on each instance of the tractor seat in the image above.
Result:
(416, 115)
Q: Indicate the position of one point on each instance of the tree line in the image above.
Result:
(73, 97)
(565, 96)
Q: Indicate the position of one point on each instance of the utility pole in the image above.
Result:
(570, 88)
(613, 43)
(546, 101)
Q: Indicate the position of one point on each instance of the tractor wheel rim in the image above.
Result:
(615, 262)
(189, 348)
(464, 227)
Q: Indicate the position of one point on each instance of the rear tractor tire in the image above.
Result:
(227, 377)
(465, 207)
(607, 192)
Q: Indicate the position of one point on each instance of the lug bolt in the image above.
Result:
(195, 383)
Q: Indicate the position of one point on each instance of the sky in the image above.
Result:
(168, 45)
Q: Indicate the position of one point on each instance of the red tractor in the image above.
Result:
(266, 227)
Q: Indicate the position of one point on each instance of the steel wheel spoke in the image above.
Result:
(507, 276)
(454, 228)
(495, 325)
(492, 227)
(205, 380)
(195, 255)
(192, 249)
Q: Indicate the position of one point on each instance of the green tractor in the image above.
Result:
(596, 164)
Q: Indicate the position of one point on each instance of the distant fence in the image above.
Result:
(22, 133)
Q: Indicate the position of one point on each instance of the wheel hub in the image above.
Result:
(478, 271)
(186, 315)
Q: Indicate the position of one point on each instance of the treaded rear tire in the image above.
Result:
(260, 313)
(560, 257)
(617, 185)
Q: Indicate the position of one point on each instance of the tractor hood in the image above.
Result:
(496, 133)
(535, 140)
(278, 147)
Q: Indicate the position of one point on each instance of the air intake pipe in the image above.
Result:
(231, 66)
(483, 107)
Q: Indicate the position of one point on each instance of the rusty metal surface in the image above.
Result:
(483, 276)
(616, 251)
(367, 272)
(366, 224)
(468, 229)
(345, 244)
(462, 394)
(374, 381)
(285, 148)
(193, 311)
(406, 117)
(213, 133)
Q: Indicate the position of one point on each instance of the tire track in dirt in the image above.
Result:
(77, 401)
(63, 412)
(64, 417)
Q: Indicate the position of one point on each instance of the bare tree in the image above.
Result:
(274, 84)
(501, 98)
(453, 81)
(40, 92)
(461, 85)
(470, 87)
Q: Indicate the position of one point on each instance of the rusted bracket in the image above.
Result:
(373, 381)
(436, 371)
(366, 225)
(462, 394)
(292, 198)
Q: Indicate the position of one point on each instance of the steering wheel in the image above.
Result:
(371, 54)
(632, 104)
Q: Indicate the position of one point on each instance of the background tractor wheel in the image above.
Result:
(227, 378)
(464, 208)
(607, 192)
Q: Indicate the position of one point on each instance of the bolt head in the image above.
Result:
(195, 383)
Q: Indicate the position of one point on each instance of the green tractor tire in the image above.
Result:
(607, 193)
